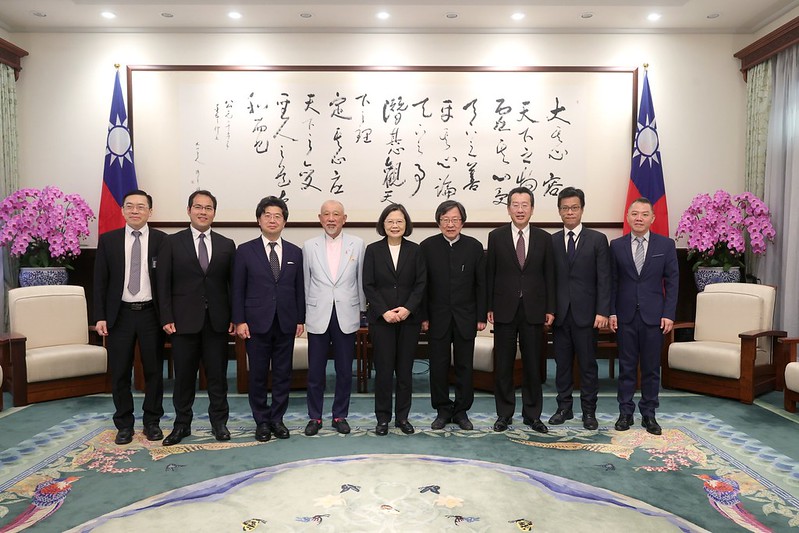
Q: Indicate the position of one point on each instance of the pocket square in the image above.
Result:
(658, 255)
(289, 262)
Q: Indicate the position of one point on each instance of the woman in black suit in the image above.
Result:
(394, 278)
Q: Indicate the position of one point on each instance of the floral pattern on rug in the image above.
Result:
(65, 456)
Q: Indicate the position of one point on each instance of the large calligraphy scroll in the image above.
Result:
(372, 135)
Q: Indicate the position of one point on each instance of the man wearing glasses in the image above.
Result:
(124, 306)
(194, 274)
(582, 272)
(455, 307)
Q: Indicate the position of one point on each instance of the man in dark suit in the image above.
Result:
(194, 273)
(582, 274)
(269, 312)
(124, 306)
(455, 310)
(643, 304)
(520, 273)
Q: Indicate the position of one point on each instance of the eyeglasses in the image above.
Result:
(206, 208)
(273, 216)
(447, 221)
(394, 222)
(568, 208)
(135, 207)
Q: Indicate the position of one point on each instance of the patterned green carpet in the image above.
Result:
(719, 466)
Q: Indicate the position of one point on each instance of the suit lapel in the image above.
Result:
(346, 255)
(187, 240)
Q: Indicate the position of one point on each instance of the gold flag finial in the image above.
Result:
(116, 66)
(646, 66)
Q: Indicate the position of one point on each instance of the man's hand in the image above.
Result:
(666, 325)
(102, 328)
(491, 316)
(613, 323)
(243, 331)
(481, 326)
(170, 328)
(549, 319)
(600, 322)
(300, 330)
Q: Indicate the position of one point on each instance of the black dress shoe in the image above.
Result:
(220, 431)
(124, 436)
(624, 422)
(178, 434)
(502, 423)
(464, 423)
(313, 427)
(381, 428)
(280, 430)
(405, 427)
(536, 425)
(651, 425)
(263, 432)
(341, 425)
(440, 422)
(590, 422)
(560, 416)
(153, 432)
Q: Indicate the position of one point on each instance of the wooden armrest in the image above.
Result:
(684, 325)
(11, 336)
(757, 333)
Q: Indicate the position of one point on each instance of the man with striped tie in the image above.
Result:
(643, 305)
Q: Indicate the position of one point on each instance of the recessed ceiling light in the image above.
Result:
(653, 17)
(451, 15)
(306, 15)
(108, 15)
(714, 15)
(167, 15)
(517, 16)
(235, 15)
(40, 14)
(586, 15)
(383, 15)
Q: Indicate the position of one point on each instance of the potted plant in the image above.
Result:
(719, 228)
(43, 228)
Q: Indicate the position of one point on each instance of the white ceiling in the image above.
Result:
(471, 16)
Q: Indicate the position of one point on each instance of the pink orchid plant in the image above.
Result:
(720, 227)
(44, 227)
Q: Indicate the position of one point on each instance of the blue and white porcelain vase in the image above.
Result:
(30, 276)
(704, 276)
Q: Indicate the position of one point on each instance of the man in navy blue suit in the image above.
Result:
(582, 274)
(269, 312)
(643, 305)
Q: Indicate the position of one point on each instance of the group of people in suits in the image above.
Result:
(197, 287)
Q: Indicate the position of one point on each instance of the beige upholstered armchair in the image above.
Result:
(788, 373)
(299, 372)
(47, 355)
(484, 362)
(734, 353)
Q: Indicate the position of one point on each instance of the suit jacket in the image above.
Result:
(185, 291)
(386, 287)
(654, 291)
(506, 279)
(582, 285)
(455, 284)
(321, 290)
(109, 271)
(258, 297)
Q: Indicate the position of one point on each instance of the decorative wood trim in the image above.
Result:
(12, 55)
(767, 47)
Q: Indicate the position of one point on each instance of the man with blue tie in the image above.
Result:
(643, 305)
(269, 312)
(333, 273)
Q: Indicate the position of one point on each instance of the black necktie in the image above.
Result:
(273, 260)
(570, 249)
(202, 253)
(134, 280)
